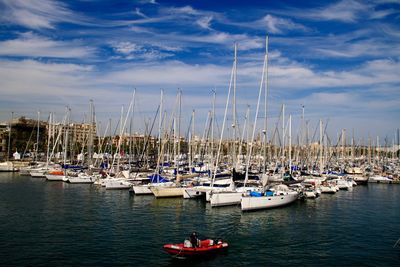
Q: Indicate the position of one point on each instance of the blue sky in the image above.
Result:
(341, 59)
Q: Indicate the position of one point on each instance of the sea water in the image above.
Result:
(58, 224)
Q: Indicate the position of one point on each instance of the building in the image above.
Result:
(3, 141)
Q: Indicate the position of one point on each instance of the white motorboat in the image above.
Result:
(328, 188)
(345, 184)
(380, 179)
(310, 193)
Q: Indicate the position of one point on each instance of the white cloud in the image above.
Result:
(205, 22)
(187, 10)
(278, 25)
(328, 92)
(140, 13)
(37, 14)
(345, 10)
(362, 48)
(169, 73)
(127, 48)
(31, 45)
(42, 79)
(136, 51)
(154, 2)
(348, 11)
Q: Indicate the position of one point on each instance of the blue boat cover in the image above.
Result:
(269, 193)
(156, 178)
(73, 167)
(255, 194)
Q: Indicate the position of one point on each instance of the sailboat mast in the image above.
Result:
(290, 144)
(49, 134)
(222, 129)
(254, 127)
(212, 124)
(234, 110)
(179, 127)
(320, 147)
(90, 141)
(265, 105)
(160, 122)
(37, 137)
(67, 121)
(283, 132)
(190, 141)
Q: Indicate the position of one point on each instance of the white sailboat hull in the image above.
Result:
(142, 190)
(50, 177)
(25, 172)
(218, 199)
(379, 179)
(81, 180)
(266, 202)
(192, 193)
(166, 191)
(7, 166)
(215, 190)
(38, 174)
(118, 185)
(360, 179)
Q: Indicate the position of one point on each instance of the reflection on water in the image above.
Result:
(54, 223)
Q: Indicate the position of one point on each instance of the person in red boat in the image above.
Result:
(194, 240)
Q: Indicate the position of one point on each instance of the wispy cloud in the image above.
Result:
(37, 14)
(32, 45)
(367, 48)
(278, 25)
(348, 11)
(135, 51)
(140, 13)
(44, 79)
(154, 2)
(189, 15)
(205, 22)
(271, 24)
(170, 73)
(345, 10)
(374, 42)
(127, 48)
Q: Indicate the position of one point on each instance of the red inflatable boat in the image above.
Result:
(206, 247)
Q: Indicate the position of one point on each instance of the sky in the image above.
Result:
(338, 59)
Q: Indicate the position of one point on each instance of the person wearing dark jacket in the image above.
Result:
(194, 240)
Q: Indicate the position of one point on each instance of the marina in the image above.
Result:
(199, 133)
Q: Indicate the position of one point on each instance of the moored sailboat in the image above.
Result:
(281, 196)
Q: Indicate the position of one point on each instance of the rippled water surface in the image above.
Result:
(58, 224)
